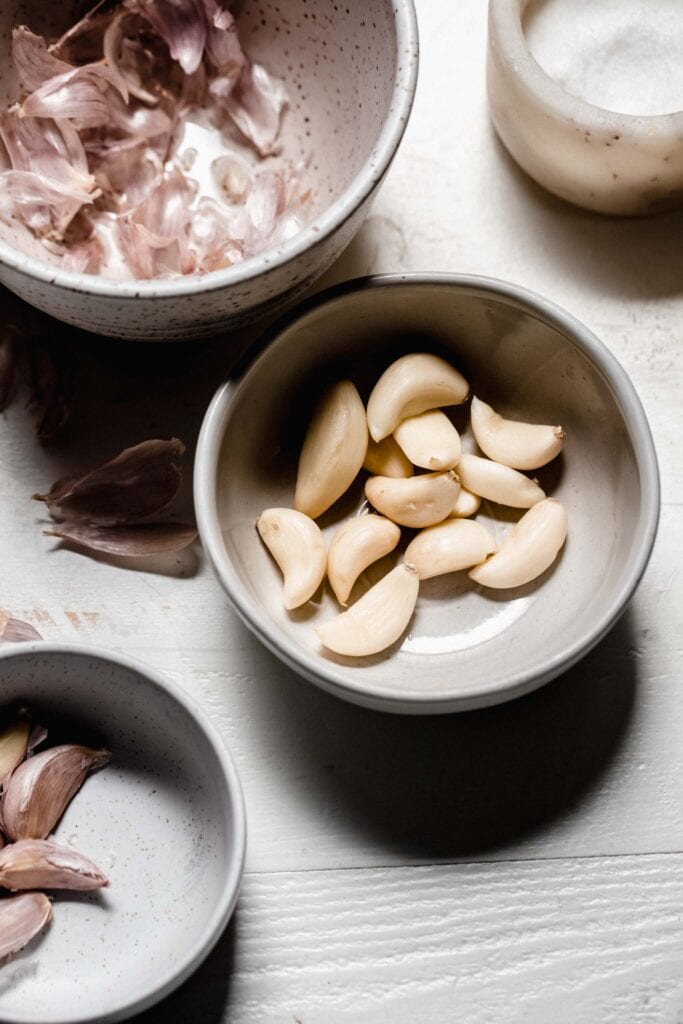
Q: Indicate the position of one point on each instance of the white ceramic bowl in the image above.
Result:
(164, 820)
(466, 647)
(351, 70)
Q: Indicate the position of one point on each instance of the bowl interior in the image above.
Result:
(160, 822)
(464, 641)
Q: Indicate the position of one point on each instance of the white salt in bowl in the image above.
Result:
(164, 820)
(350, 70)
(466, 646)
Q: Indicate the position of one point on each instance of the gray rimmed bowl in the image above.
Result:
(466, 647)
(351, 72)
(164, 820)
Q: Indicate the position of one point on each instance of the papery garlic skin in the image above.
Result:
(333, 450)
(498, 483)
(21, 918)
(385, 458)
(377, 619)
(466, 505)
(411, 385)
(418, 501)
(355, 546)
(429, 440)
(40, 864)
(297, 545)
(449, 547)
(529, 549)
(512, 443)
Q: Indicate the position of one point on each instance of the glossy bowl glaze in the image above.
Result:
(164, 820)
(466, 647)
(351, 72)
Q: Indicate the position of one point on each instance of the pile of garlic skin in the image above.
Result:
(36, 790)
(404, 427)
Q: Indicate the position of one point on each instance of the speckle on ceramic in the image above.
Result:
(351, 72)
(164, 820)
(466, 646)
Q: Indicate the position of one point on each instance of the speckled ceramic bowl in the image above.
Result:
(351, 71)
(165, 821)
(466, 646)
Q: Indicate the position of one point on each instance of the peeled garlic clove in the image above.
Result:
(410, 386)
(419, 501)
(40, 789)
(466, 505)
(354, 547)
(297, 545)
(429, 440)
(377, 619)
(13, 747)
(21, 918)
(40, 864)
(385, 458)
(498, 483)
(514, 444)
(449, 547)
(333, 451)
(530, 547)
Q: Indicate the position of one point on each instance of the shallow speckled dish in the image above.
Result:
(466, 647)
(165, 821)
(351, 72)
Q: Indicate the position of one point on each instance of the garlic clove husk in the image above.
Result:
(412, 385)
(513, 443)
(377, 619)
(385, 458)
(21, 918)
(333, 451)
(16, 631)
(429, 440)
(529, 549)
(41, 864)
(498, 483)
(355, 546)
(449, 547)
(297, 545)
(418, 501)
(467, 504)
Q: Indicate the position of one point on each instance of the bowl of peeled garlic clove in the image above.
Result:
(429, 492)
(124, 831)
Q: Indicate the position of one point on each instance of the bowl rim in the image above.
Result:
(326, 224)
(167, 981)
(327, 674)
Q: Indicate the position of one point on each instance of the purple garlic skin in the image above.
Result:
(22, 917)
(41, 864)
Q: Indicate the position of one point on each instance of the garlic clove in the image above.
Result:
(40, 789)
(410, 386)
(466, 505)
(377, 619)
(418, 501)
(355, 546)
(512, 443)
(449, 547)
(297, 545)
(429, 440)
(333, 451)
(16, 631)
(14, 742)
(498, 483)
(21, 918)
(385, 458)
(41, 864)
(529, 549)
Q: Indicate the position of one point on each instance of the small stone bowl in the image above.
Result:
(164, 820)
(466, 646)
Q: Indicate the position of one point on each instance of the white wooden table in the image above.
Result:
(521, 864)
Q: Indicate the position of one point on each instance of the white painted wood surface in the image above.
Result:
(519, 864)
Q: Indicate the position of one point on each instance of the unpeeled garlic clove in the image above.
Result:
(21, 918)
(429, 440)
(355, 546)
(498, 483)
(418, 501)
(14, 742)
(512, 443)
(297, 545)
(40, 864)
(377, 619)
(466, 505)
(333, 451)
(385, 458)
(410, 386)
(40, 789)
(449, 547)
(531, 546)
